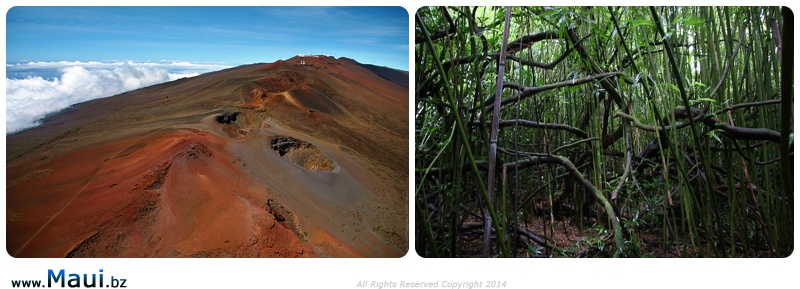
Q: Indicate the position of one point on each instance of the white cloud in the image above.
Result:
(173, 76)
(31, 98)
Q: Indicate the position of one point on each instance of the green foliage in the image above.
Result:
(703, 99)
(677, 194)
(633, 226)
(535, 250)
(713, 134)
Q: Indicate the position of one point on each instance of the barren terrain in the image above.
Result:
(306, 157)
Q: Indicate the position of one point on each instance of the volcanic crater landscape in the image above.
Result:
(306, 157)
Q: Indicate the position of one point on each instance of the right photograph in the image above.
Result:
(571, 132)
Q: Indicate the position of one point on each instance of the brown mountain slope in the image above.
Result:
(298, 158)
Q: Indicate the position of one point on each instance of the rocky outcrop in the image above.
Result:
(302, 154)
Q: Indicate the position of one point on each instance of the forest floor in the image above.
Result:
(592, 240)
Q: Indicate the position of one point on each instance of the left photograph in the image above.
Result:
(207, 132)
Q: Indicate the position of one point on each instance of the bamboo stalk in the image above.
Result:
(463, 135)
(787, 95)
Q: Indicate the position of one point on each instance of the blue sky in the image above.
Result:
(229, 35)
(60, 56)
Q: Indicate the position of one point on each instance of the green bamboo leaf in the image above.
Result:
(703, 99)
(677, 20)
(673, 87)
(713, 134)
(694, 21)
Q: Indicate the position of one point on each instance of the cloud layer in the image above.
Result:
(36, 89)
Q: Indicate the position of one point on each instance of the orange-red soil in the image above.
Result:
(156, 173)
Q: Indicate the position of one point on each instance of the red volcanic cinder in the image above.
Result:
(306, 157)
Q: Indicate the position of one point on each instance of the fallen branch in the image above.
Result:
(535, 124)
(528, 40)
(733, 132)
(526, 91)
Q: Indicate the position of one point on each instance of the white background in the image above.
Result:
(346, 273)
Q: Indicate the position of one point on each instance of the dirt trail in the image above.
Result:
(78, 193)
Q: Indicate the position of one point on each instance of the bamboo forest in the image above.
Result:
(603, 132)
